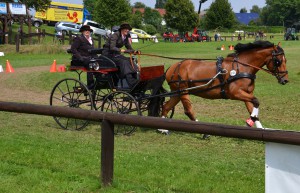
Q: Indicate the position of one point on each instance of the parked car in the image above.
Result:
(97, 28)
(65, 27)
(142, 33)
(36, 22)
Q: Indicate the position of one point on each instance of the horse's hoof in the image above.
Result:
(206, 136)
(164, 131)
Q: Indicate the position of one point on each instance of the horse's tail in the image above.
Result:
(157, 101)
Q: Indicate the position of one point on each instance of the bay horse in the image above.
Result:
(229, 78)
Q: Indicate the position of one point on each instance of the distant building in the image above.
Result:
(245, 18)
(162, 12)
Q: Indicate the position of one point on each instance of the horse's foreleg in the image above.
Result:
(187, 105)
(253, 109)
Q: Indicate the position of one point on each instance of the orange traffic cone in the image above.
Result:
(230, 47)
(53, 67)
(9, 68)
(62, 68)
(223, 47)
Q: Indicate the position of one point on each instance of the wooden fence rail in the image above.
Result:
(109, 119)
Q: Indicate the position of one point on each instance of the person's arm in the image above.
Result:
(74, 48)
(113, 43)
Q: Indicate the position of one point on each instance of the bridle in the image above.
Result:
(276, 64)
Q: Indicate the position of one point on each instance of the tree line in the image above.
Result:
(180, 14)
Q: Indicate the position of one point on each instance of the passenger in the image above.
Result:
(113, 49)
(80, 46)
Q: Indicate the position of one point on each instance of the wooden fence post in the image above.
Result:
(17, 42)
(38, 31)
(107, 152)
(70, 37)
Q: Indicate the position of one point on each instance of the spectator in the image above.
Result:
(216, 37)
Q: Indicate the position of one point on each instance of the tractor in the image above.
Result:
(291, 34)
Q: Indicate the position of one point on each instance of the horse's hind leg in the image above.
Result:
(253, 111)
(187, 105)
(166, 108)
(169, 105)
(188, 110)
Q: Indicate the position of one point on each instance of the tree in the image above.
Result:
(280, 13)
(36, 4)
(139, 5)
(89, 5)
(220, 14)
(181, 15)
(243, 10)
(152, 17)
(111, 13)
(255, 9)
(137, 19)
(160, 3)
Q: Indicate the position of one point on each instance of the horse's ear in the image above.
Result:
(279, 44)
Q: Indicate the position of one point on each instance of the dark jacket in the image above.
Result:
(80, 47)
(114, 44)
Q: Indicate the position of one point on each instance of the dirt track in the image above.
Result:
(16, 94)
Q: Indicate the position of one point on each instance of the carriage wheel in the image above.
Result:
(71, 93)
(122, 103)
(99, 96)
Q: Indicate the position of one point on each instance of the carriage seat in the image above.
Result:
(104, 63)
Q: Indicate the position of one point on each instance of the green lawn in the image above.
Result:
(37, 156)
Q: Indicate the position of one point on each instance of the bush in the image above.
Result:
(150, 29)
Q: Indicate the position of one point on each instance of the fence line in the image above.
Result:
(109, 119)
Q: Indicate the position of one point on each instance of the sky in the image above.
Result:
(236, 5)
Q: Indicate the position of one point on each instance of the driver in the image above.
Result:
(113, 49)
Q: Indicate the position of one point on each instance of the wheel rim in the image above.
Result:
(121, 103)
(36, 24)
(71, 93)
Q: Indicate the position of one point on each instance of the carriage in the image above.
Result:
(108, 92)
(232, 78)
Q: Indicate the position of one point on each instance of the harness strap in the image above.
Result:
(221, 77)
(240, 75)
(179, 81)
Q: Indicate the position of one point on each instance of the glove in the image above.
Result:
(137, 52)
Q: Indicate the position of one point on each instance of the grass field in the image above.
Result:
(37, 156)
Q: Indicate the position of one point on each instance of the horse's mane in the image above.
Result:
(257, 44)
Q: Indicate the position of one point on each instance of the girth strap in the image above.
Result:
(241, 75)
(221, 77)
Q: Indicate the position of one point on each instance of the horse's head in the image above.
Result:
(277, 65)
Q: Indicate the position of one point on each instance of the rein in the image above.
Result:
(174, 58)
(250, 65)
(260, 68)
